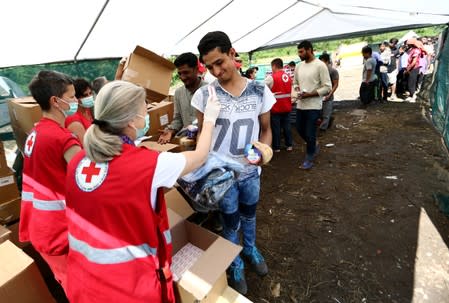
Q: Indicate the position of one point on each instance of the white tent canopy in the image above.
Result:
(51, 31)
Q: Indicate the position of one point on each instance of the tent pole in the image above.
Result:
(91, 29)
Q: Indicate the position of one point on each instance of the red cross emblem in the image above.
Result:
(29, 144)
(90, 171)
(90, 175)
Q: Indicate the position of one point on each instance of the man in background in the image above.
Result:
(184, 114)
(280, 84)
(312, 82)
(328, 100)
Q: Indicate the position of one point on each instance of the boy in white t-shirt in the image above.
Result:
(244, 118)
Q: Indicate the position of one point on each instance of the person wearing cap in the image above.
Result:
(184, 113)
(48, 149)
(244, 119)
(120, 244)
(413, 66)
(82, 119)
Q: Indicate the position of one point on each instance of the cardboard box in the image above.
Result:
(185, 143)
(14, 236)
(229, 295)
(150, 71)
(10, 211)
(8, 187)
(5, 234)
(20, 279)
(205, 280)
(24, 113)
(160, 147)
(161, 115)
(4, 169)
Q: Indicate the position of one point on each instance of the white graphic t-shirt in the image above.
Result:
(238, 121)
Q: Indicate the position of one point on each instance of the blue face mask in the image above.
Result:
(87, 102)
(140, 132)
(73, 107)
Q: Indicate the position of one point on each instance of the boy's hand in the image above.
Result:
(265, 150)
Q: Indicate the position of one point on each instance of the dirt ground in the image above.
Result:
(347, 230)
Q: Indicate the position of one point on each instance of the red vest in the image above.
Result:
(282, 88)
(119, 247)
(42, 215)
(78, 117)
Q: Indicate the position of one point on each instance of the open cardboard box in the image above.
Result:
(20, 279)
(161, 115)
(150, 144)
(24, 113)
(205, 281)
(150, 71)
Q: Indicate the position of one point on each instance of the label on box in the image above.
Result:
(184, 259)
(6, 180)
(163, 119)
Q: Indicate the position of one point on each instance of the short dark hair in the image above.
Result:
(292, 63)
(47, 84)
(188, 59)
(249, 71)
(214, 40)
(325, 57)
(306, 44)
(277, 62)
(98, 83)
(81, 85)
(367, 50)
(394, 41)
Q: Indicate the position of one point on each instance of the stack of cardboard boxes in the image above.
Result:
(20, 279)
(9, 193)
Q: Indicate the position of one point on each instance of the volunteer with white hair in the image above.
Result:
(119, 238)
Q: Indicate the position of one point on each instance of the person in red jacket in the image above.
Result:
(48, 149)
(280, 84)
(119, 238)
(82, 119)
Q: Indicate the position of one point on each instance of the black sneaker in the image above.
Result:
(236, 280)
(255, 259)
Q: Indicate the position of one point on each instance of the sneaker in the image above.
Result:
(411, 99)
(277, 150)
(256, 261)
(289, 148)
(306, 164)
(237, 280)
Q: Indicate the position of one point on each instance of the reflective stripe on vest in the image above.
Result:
(41, 189)
(27, 196)
(111, 255)
(282, 96)
(49, 205)
(167, 236)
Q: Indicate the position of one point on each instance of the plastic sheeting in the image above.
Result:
(48, 31)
